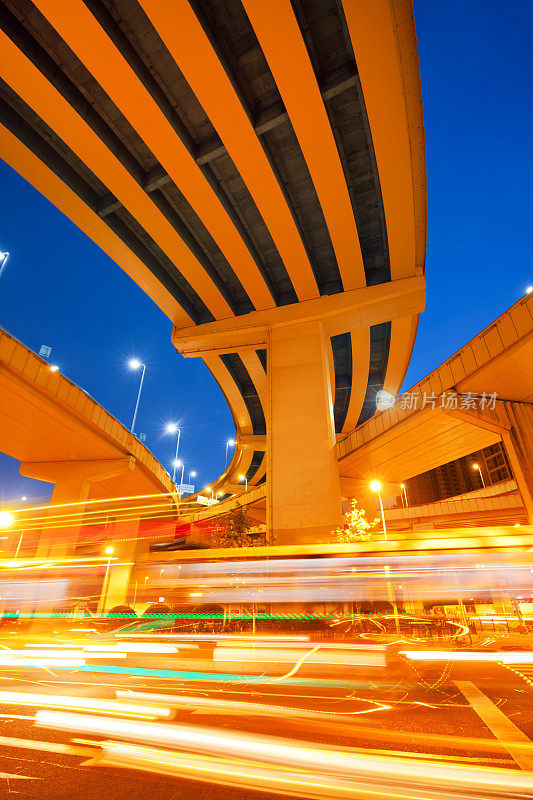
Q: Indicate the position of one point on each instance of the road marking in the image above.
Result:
(51, 747)
(513, 739)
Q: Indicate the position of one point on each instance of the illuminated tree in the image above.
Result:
(356, 527)
(237, 530)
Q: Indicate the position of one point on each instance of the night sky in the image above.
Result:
(59, 289)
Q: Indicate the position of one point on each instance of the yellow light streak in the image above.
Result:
(143, 711)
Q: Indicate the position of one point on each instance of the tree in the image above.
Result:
(356, 527)
(237, 530)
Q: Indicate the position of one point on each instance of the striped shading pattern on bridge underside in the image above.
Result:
(231, 157)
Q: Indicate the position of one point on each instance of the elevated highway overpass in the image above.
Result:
(236, 160)
(62, 436)
(483, 394)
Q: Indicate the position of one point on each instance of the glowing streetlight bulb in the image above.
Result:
(134, 363)
(475, 466)
(109, 551)
(231, 442)
(6, 519)
(375, 486)
(176, 463)
(54, 367)
(171, 428)
(192, 474)
(529, 289)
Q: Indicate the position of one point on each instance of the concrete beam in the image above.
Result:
(347, 311)
(86, 471)
(251, 441)
(269, 118)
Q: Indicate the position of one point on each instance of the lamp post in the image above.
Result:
(109, 552)
(3, 262)
(173, 428)
(192, 475)
(209, 489)
(375, 486)
(402, 485)
(178, 464)
(478, 469)
(245, 479)
(229, 443)
(135, 364)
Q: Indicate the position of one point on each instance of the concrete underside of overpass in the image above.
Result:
(237, 163)
(412, 438)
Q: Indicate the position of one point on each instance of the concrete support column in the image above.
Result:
(58, 539)
(123, 540)
(304, 501)
(518, 443)
(72, 483)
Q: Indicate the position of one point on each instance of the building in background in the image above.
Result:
(459, 476)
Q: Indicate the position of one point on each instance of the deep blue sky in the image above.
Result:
(59, 289)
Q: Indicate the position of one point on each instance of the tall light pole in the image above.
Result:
(192, 475)
(135, 364)
(229, 443)
(478, 469)
(245, 479)
(3, 262)
(173, 428)
(375, 486)
(402, 485)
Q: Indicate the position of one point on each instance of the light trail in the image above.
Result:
(139, 710)
(240, 707)
(313, 763)
(501, 657)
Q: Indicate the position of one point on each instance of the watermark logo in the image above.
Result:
(448, 401)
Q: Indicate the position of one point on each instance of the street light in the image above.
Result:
(402, 485)
(135, 364)
(6, 519)
(173, 428)
(177, 465)
(229, 443)
(209, 489)
(3, 262)
(245, 479)
(192, 475)
(478, 468)
(108, 552)
(375, 486)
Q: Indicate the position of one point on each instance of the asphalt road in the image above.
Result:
(452, 714)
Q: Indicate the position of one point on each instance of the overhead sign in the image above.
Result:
(186, 488)
(206, 501)
(45, 351)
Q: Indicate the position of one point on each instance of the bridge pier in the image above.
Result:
(126, 547)
(72, 481)
(304, 493)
